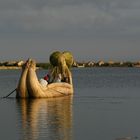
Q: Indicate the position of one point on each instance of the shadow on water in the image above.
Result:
(45, 118)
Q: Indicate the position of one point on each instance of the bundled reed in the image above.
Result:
(61, 62)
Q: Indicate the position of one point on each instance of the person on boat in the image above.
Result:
(47, 77)
(45, 80)
(58, 78)
(55, 78)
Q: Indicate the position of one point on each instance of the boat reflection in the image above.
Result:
(49, 119)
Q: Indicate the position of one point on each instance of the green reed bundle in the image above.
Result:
(61, 63)
(69, 58)
(55, 56)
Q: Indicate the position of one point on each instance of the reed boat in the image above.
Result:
(29, 86)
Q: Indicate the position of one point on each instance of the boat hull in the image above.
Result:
(29, 87)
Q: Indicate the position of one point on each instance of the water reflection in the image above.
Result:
(43, 119)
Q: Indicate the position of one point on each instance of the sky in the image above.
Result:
(92, 30)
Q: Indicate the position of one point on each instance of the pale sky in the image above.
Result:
(90, 29)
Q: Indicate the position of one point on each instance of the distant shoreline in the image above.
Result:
(9, 67)
(18, 64)
(19, 68)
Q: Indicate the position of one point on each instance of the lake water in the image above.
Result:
(105, 106)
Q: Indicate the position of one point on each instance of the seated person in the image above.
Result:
(43, 82)
(58, 78)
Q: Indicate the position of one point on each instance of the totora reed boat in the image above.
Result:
(29, 86)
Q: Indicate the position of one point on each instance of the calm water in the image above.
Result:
(105, 106)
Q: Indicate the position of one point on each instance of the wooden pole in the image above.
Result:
(9, 93)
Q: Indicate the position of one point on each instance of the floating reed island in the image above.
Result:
(43, 65)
